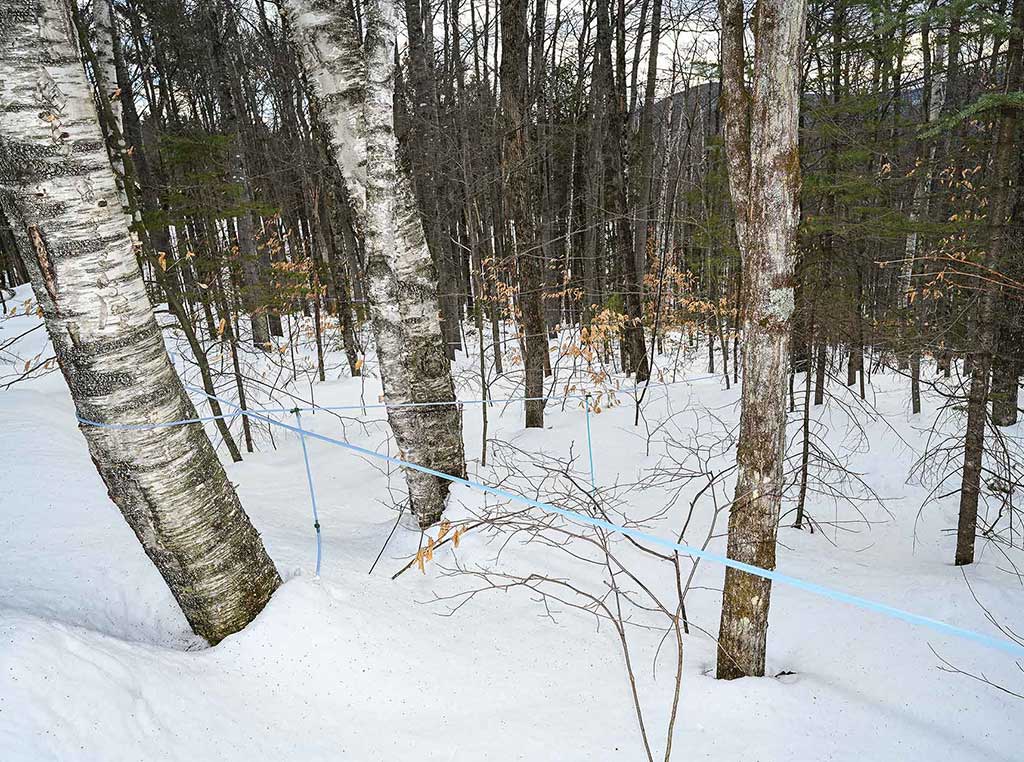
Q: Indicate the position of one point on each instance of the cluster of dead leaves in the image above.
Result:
(426, 552)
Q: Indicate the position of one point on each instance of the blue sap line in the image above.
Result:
(1015, 649)
(382, 405)
(148, 426)
(590, 444)
(312, 492)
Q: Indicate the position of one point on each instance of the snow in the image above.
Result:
(96, 661)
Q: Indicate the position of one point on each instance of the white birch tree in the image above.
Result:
(61, 196)
(761, 144)
(106, 32)
(911, 265)
(354, 87)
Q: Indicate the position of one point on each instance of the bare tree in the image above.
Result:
(63, 202)
(1004, 168)
(516, 171)
(354, 83)
(764, 183)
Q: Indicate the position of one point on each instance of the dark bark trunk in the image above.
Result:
(1003, 170)
(517, 165)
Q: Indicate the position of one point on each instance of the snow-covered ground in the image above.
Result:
(97, 663)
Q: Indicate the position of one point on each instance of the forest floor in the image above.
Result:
(97, 663)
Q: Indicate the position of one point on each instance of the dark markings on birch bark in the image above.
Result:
(355, 83)
(35, 236)
(57, 185)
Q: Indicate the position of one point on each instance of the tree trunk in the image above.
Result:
(168, 483)
(1005, 158)
(356, 95)
(430, 181)
(911, 269)
(517, 163)
(805, 448)
(644, 211)
(251, 260)
(1006, 368)
(1005, 391)
(764, 181)
(820, 368)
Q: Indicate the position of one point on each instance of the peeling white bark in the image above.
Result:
(103, 15)
(57, 180)
(355, 87)
(328, 40)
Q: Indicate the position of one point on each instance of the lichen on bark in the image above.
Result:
(761, 122)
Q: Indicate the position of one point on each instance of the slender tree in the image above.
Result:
(517, 161)
(354, 85)
(1005, 158)
(764, 182)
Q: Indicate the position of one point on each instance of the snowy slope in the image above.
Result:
(97, 663)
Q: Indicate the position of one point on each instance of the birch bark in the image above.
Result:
(106, 32)
(354, 84)
(56, 180)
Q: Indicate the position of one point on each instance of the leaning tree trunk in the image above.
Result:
(106, 76)
(355, 90)
(168, 483)
(764, 181)
(103, 60)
